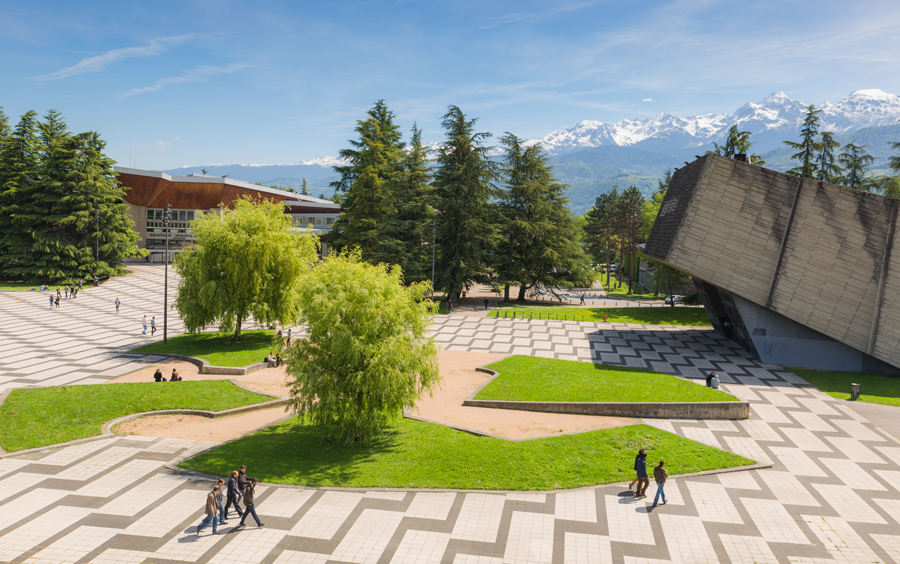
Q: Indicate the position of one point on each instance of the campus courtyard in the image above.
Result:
(830, 491)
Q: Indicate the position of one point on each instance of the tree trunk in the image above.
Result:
(506, 292)
(237, 332)
(522, 289)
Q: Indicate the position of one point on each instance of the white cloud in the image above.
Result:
(198, 74)
(100, 62)
(162, 145)
(648, 99)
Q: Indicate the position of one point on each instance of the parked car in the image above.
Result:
(674, 299)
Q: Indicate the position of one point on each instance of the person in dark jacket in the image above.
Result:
(640, 466)
(234, 495)
(660, 474)
(636, 478)
(250, 503)
(242, 479)
(709, 378)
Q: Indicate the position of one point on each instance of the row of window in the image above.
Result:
(303, 220)
(177, 215)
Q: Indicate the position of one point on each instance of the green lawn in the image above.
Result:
(424, 455)
(528, 378)
(678, 315)
(218, 348)
(35, 417)
(873, 387)
(5, 286)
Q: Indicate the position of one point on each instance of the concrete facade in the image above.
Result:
(810, 261)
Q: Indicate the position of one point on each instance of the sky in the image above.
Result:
(175, 83)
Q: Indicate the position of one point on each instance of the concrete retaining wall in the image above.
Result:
(207, 368)
(673, 410)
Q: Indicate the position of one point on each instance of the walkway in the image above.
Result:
(832, 496)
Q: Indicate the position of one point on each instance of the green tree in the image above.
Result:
(599, 227)
(464, 187)
(406, 235)
(368, 355)
(20, 166)
(628, 220)
(829, 170)
(247, 261)
(807, 147)
(856, 162)
(304, 189)
(737, 143)
(373, 163)
(539, 245)
(894, 162)
(4, 126)
(666, 278)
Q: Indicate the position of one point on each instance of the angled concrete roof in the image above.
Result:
(816, 253)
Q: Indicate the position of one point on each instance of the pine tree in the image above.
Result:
(373, 163)
(856, 162)
(464, 187)
(808, 146)
(407, 234)
(20, 163)
(829, 170)
(600, 229)
(53, 248)
(737, 143)
(4, 126)
(627, 221)
(894, 162)
(538, 248)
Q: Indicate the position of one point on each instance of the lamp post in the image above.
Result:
(98, 234)
(167, 216)
(433, 237)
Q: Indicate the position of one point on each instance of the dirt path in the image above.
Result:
(460, 380)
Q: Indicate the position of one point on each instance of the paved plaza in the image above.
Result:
(832, 494)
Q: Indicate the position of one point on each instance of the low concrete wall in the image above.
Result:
(207, 368)
(669, 410)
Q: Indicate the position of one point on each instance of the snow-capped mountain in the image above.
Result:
(776, 113)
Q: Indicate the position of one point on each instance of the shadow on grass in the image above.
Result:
(874, 388)
(295, 453)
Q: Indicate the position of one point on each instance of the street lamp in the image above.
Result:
(433, 237)
(98, 234)
(167, 216)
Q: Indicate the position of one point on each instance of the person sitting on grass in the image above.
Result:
(175, 377)
(157, 376)
(270, 360)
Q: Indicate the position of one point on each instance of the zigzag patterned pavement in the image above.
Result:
(832, 495)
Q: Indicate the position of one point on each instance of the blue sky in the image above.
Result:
(195, 82)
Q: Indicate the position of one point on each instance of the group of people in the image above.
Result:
(660, 474)
(67, 289)
(238, 489)
(143, 321)
(158, 376)
(272, 361)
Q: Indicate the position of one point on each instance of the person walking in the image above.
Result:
(582, 300)
(212, 512)
(486, 304)
(221, 485)
(118, 303)
(58, 293)
(144, 323)
(234, 495)
(80, 282)
(75, 290)
(660, 474)
(633, 482)
(152, 325)
(57, 300)
(66, 290)
(250, 504)
(242, 480)
(289, 337)
(51, 301)
(640, 466)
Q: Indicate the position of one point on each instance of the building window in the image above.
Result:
(318, 221)
(330, 221)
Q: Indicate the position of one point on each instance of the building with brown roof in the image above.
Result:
(149, 193)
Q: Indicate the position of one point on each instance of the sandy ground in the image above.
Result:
(460, 380)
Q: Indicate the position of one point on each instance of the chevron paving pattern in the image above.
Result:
(833, 494)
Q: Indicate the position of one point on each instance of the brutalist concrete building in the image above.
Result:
(798, 272)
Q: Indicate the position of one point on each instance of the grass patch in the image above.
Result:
(218, 348)
(6, 286)
(36, 417)
(528, 378)
(873, 388)
(678, 315)
(413, 454)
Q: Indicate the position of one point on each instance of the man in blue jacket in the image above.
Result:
(234, 495)
(640, 466)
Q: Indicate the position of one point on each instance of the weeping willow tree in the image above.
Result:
(246, 262)
(368, 354)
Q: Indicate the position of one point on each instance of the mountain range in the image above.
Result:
(592, 156)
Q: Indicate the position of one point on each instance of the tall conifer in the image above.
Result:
(464, 186)
(856, 162)
(807, 147)
(829, 170)
(20, 160)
